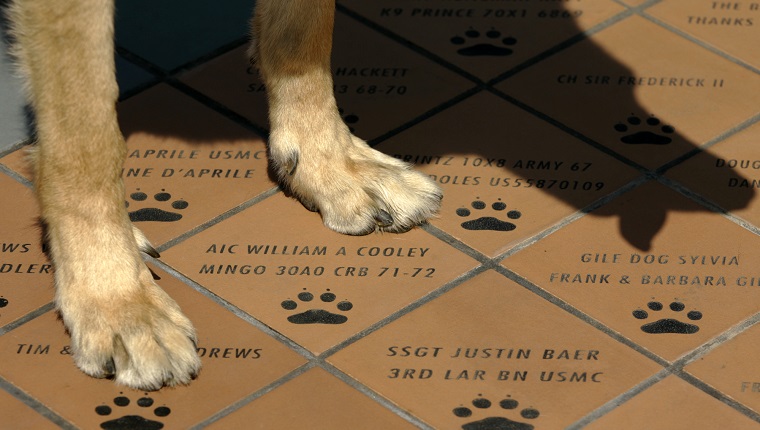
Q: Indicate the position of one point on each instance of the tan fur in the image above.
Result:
(121, 323)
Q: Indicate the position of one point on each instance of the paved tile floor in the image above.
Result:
(594, 263)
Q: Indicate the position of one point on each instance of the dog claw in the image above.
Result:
(383, 218)
(110, 368)
(309, 206)
(148, 249)
(291, 164)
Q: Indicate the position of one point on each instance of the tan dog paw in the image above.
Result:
(141, 339)
(355, 188)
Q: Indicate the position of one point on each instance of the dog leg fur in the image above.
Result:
(355, 188)
(121, 323)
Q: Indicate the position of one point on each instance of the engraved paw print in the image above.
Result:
(156, 214)
(655, 134)
(317, 316)
(668, 325)
(132, 422)
(493, 45)
(488, 222)
(481, 405)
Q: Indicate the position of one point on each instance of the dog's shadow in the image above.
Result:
(649, 130)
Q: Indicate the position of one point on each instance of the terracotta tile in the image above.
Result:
(486, 38)
(673, 404)
(185, 163)
(669, 294)
(485, 340)
(726, 174)
(274, 258)
(26, 280)
(731, 368)
(485, 152)
(730, 26)
(17, 415)
(376, 92)
(639, 90)
(314, 400)
(238, 359)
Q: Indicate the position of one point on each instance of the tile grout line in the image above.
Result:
(218, 218)
(676, 368)
(427, 298)
(29, 316)
(171, 79)
(644, 5)
(630, 11)
(718, 395)
(580, 213)
(211, 55)
(430, 113)
(16, 176)
(717, 341)
(442, 235)
(375, 396)
(231, 408)
(703, 44)
(708, 204)
(15, 147)
(236, 311)
(391, 35)
(572, 310)
(161, 74)
(562, 46)
(456, 243)
(35, 405)
(709, 144)
(312, 360)
(569, 130)
(218, 107)
(696, 353)
(157, 75)
(141, 62)
(619, 400)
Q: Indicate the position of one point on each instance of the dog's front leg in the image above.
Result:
(356, 188)
(121, 323)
